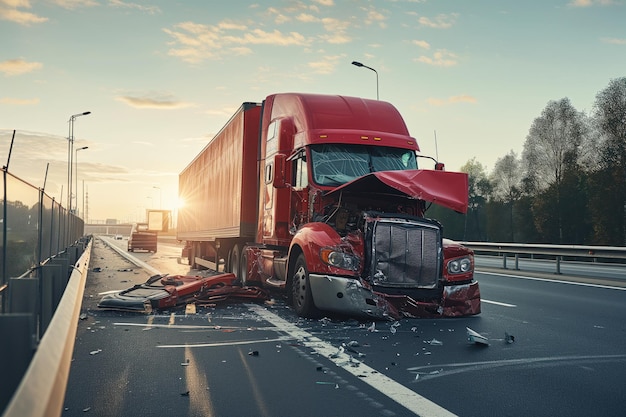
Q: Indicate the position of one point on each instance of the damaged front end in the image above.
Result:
(408, 270)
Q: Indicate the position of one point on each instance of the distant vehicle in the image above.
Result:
(141, 238)
(118, 237)
(321, 196)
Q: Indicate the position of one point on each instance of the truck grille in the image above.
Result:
(405, 254)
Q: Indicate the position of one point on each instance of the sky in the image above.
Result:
(161, 77)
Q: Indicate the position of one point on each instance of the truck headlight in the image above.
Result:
(340, 259)
(460, 266)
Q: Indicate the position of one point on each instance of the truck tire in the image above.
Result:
(301, 296)
(234, 260)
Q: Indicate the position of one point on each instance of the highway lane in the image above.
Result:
(568, 357)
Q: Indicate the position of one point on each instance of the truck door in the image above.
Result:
(276, 201)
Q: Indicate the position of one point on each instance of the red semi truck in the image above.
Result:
(321, 196)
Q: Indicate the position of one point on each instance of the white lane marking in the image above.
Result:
(558, 281)
(189, 326)
(482, 300)
(241, 342)
(455, 368)
(131, 258)
(382, 383)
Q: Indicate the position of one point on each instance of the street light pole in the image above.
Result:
(76, 171)
(70, 149)
(160, 197)
(358, 64)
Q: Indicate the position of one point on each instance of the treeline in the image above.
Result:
(567, 187)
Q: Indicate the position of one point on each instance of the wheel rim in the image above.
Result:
(234, 261)
(299, 286)
(243, 268)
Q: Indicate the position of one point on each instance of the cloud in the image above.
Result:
(374, 16)
(441, 58)
(421, 44)
(135, 6)
(13, 67)
(74, 4)
(9, 10)
(442, 21)
(327, 3)
(614, 41)
(307, 18)
(19, 102)
(165, 103)
(464, 98)
(193, 42)
(591, 3)
(326, 65)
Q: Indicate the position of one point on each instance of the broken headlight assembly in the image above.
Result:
(338, 259)
(460, 266)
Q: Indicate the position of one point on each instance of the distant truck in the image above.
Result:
(142, 238)
(321, 196)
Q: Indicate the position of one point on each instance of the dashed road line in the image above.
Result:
(409, 399)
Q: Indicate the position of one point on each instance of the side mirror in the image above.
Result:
(440, 166)
(279, 171)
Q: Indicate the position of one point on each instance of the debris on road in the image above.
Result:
(509, 338)
(164, 291)
(190, 309)
(477, 338)
(434, 342)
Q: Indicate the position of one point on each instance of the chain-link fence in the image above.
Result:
(33, 228)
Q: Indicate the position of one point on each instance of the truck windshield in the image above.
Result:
(338, 164)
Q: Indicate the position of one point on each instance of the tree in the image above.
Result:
(479, 193)
(609, 180)
(553, 142)
(506, 178)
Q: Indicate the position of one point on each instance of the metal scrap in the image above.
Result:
(477, 338)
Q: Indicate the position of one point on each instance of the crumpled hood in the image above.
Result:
(448, 189)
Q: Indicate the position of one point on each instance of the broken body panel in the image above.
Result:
(340, 210)
(167, 291)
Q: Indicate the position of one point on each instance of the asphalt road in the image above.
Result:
(568, 357)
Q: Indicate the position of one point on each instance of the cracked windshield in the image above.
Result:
(334, 165)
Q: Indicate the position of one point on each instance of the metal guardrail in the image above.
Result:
(41, 303)
(557, 251)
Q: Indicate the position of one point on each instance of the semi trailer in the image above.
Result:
(322, 197)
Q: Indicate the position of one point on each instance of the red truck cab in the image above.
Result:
(341, 220)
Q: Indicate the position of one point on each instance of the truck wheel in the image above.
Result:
(301, 295)
(243, 268)
(233, 261)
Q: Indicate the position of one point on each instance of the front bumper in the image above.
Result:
(350, 296)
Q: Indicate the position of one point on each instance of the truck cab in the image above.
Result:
(342, 212)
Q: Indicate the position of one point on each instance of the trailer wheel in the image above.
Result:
(234, 260)
(301, 295)
(243, 268)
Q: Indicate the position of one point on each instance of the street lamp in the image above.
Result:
(70, 149)
(358, 64)
(76, 171)
(160, 197)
